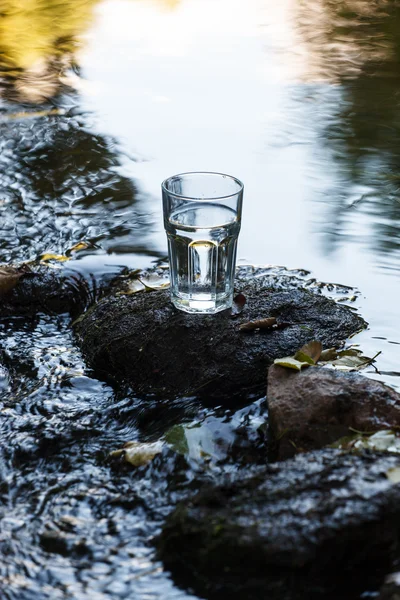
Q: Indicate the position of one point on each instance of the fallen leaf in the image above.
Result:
(291, 363)
(133, 287)
(49, 256)
(309, 352)
(328, 354)
(138, 454)
(260, 324)
(9, 277)
(381, 440)
(351, 360)
(384, 440)
(154, 282)
(77, 247)
(197, 441)
(33, 114)
(176, 438)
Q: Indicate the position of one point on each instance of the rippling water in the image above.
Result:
(99, 102)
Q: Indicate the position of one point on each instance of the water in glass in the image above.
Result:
(202, 239)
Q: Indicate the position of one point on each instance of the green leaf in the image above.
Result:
(309, 352)
(303, 358)
(176, 438)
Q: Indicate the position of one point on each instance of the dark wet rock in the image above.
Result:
(64, 544)
(317, 406)
(51, 290)
(143, 339)
(48, 290)
(322, 525)
(391, 588)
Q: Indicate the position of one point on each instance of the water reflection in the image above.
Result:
(38, 43)
(357, 45)
(61, 185)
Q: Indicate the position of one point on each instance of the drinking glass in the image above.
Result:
(202, 216)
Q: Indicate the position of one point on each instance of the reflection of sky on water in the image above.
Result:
(238, 87)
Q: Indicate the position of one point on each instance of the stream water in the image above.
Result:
(100, 101)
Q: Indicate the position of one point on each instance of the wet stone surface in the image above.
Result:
(51, 290)
(317, 406)
(322, 525)
(143, 339)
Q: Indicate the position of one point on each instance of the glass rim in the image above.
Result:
(209, 198)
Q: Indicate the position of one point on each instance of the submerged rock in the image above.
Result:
(322, 525)
(317, 406)
(143, 339)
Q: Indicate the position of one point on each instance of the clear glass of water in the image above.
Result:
(202, 216)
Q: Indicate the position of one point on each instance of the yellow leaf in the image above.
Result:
(49, 256)
(291, 363)
(78, 246)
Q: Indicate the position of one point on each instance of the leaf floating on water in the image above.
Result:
(133, 287)
(381, 440)
(77, 247)
(154, 282)
(260, 324)
(176, 438)
(33, 114)
(138, 454)
(385, 440)
(48, 256)
(309, 353)
(291, 363)
(351, 360)
(9, 277)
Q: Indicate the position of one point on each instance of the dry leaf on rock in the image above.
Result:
(291, 363)
(309, 352)
(259, 324)
(306, 356)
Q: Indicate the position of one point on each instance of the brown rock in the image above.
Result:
(317, 406)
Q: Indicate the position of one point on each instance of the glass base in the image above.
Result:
(205, 307)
